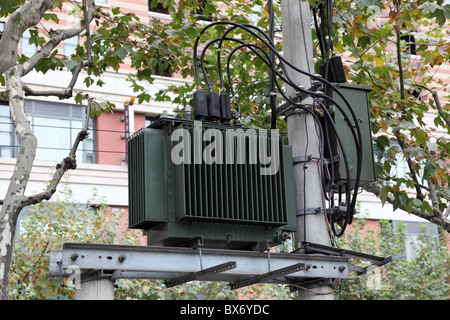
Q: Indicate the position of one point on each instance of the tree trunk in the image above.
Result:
(27, 16)
(14, 199)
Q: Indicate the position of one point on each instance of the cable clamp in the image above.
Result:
(301, 159)
(308, 211)
(336, 159)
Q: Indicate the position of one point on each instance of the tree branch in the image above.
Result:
(60, 93)
(437, 102)
(24, 278)
(27, 16)
(88, 32)
(437, 217)
(412, 171)
(60, 35)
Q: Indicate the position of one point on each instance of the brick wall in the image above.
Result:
(109, 142)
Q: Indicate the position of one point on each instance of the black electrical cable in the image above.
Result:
(272, 61)
(197, 39)
(224, 37)
(357, 137)
(304, 179)
(221, 39)
(245, 27)
(306, 109)
(348, 218)
(282, 60)
(325, 55)
(319, 35)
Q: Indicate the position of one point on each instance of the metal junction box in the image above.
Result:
(191, 180)
(357, 96)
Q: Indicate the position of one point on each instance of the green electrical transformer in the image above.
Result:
(226, 186)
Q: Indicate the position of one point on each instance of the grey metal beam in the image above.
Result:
(268, 276)
(169, 262)
(376, 260)
(200, 274)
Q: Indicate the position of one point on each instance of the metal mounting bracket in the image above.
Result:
(308, 211)
(312, 283)
(301, 159)
(285, 108)
(198, 275)
(267, 276)
(376, 260)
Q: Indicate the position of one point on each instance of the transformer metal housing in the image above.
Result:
(226, 205)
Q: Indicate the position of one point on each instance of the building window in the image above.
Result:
(101, 1)
(6, 132)
(28, 49)
(55, 125)
(2, 26)
(413, 231)
(399, 167)
(70, 46)
(409, 46)
(158, 7)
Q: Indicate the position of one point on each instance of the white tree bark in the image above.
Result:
(12, 204)
(22, 19)
(15, 199)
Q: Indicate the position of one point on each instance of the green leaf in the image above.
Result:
(51, 16)
(382, 142)
(429, 170)
(79, 98)
(447, 11)
(383, 195)
(121, 52)
(115, 10)
(400, 200)
(440, 17)
(364, 41)
(426, 207)
(70, 64)
(404, 125)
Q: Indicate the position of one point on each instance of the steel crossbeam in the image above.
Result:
(186, 264)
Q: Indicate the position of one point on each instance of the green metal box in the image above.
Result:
(357, 96)
(178, 196)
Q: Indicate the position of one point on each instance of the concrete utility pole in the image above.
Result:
(97, 289)
(303, 135)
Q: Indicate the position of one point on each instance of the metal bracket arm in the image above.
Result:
(198, 275)
(308, 211)
(267, 276)
(301, 159)
(297, 99)
(376, 260)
